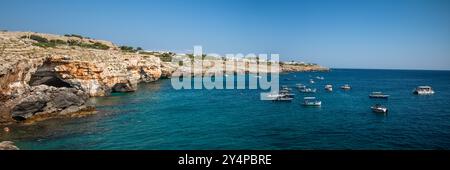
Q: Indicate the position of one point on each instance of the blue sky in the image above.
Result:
(402, 34)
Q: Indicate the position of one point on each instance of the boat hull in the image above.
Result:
(423, 93)
(379, 110)
(379, 97)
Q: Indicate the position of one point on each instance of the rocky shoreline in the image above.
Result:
(45, 76)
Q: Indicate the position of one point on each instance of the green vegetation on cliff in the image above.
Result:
(130, 49)
(44, 42)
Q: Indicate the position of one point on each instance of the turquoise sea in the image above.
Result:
(159, 117)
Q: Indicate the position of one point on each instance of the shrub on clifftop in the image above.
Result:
(74, 35)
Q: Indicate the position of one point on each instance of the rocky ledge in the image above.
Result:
(45, 75)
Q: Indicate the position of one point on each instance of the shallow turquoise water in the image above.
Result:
(159, 117)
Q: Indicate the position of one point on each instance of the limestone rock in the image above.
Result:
(45, 99)
(47, 81)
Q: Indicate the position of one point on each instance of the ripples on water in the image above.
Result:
(159, 117)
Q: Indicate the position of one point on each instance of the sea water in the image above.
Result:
(159, 117)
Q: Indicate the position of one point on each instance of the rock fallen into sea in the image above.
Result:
(8, 145)
(45, 99)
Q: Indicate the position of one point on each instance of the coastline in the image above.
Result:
(45, 76)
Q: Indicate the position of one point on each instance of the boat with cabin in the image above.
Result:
(423, 90)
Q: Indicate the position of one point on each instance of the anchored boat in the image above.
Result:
(423, 90)
(284, 87)
(378, 108)
(378, 95)
(346, 87)
(287, 93)
(329, 87)
(284, 98)
(307, 90)
(300, 86)
(311, 101)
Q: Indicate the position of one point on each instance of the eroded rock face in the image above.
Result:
(45, 99)
(26, 109)
(167, 68)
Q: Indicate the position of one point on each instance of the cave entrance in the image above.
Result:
(46, 75)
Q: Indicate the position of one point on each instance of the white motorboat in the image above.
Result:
(329, 87)
(300, 86)
(378, 95)
(423, 90)
(307, 90)
(379, 108)
(285, 99)
(311, 101)
(346, 87)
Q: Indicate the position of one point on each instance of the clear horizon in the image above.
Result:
(402, 34)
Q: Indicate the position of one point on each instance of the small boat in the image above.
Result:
(285, 88)
(311, 81)
(283, 99)
(311, 101)
(378, 108)
(258, 77)
(274, 95)
(378, 95)
(300, 86)
(286, 93)
(423, 90)
(328, 87)
(307, 90)
(279, 97)
(320, 78)
(346, 87)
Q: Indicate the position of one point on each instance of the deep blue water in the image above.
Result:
(159, 117)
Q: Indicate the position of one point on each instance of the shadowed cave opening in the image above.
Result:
(121, 87)
(45, 74)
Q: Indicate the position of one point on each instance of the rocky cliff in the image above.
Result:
(40, 78)
(44, 75)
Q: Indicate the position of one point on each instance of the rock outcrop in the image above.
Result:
(303, 68)
(8, 145)
(36, 80)
(47, 100)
